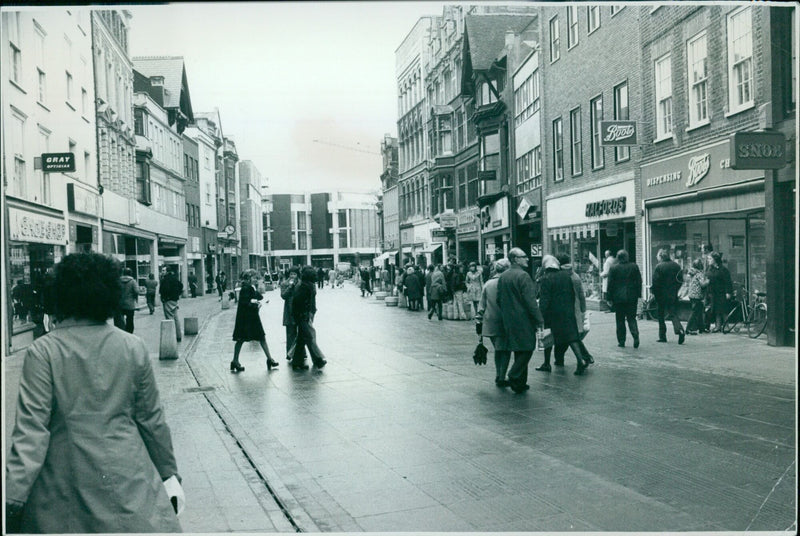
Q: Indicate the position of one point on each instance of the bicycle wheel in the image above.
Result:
(651, 309)
(732, 321)
(758, 322)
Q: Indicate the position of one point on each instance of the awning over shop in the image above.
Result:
(432, 248)
(587, 230)
(407, 249)
(386, 255)
(488, 199)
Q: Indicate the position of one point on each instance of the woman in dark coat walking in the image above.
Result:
(413, 289)
(720, 289)
(304, 307)
(248, 323)
(557, 304)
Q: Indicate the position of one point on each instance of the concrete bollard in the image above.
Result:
(402, 301)
(168, 346)
(190, 325)
(226, 301)
(380, 296)
(391, 301)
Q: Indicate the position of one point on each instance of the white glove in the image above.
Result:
(175, 494)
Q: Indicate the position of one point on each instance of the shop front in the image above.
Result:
(528, 227)
(495, 228)
(36, 243)
(586, 224)
(467, 235)
(84, 219)
(695, 202)
(133, 248)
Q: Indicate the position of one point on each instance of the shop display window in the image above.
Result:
(586, 264)
(28, 264)
(728, 237)
(758, 254)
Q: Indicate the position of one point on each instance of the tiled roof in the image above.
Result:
(487, 36)
(169, 67)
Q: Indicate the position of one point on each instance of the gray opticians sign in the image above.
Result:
(58, 162)
(758, 150)
(617, 133)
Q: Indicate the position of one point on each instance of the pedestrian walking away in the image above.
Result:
(304, 308)
(248, 324)
(474, 281)
(288, 287)
(557, 304)
(624, 291)
(413, 289)
(123, 318)
(192, 279)
(150, 292)
(607, 264)
(171, 290)
(459, 291)
(516, 299)
(720, 289)
(91, 451)
(437, 291)
(667, 280)
(222, 283)
(489, 323)
(697, 291)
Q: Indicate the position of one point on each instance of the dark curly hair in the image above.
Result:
(308, 274)
(86, 286)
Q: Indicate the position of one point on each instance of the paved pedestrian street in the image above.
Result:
(402, 432)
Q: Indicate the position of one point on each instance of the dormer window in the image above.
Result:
(486, 93)
(156, 80)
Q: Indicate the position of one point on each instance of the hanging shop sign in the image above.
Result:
(758, 150)
(536, 250)
(439, 235)
(30, 227)
(448, 220)
(606, 207)
(618, 133)
(707, 167)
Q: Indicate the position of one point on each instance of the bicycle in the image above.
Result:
(753, 315)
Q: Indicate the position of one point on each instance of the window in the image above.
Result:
(558, 151)
(462, 187)
(740, 60)
(472, 184)
(529, 170)
(616, 8)
(596, 109)
(447, 185)
(45, 188)
(576, 139)
(445, 145)
(84, 102)
(697, 57)
(143, 183)
(15, 50)
(86, 165)
(186, 172)
(41, 95)
(572, 26)
(16, 63)
(622, 112)
(526, 98)
(555, 40)
(39, 48)
(69, 88)
(486, 94)
(490, 152)
(663, 74)
(593, 14)
(460, 129)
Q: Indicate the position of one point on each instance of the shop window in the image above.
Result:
(757, 254)
(728, 237)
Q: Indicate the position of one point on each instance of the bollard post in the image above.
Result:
(190, 325)
(168, 345)
(226, 301)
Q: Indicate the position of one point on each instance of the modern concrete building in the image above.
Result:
(47, 107)
(251, 184)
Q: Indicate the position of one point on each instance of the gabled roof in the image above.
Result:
(485, 36)
(172, 69)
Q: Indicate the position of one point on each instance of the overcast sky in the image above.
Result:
(284, 74)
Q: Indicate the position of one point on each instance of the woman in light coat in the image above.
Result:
(489, 321)
(90, 447)
(474, 285)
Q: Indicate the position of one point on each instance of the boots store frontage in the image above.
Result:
(695, 199)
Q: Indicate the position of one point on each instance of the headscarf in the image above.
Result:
(550, 263)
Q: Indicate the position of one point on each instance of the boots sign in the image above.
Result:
(618, 133)
(58, 162)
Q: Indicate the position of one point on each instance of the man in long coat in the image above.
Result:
(667, 280)
(516, 298)
(624, 291)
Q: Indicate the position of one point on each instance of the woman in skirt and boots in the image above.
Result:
(248, 324)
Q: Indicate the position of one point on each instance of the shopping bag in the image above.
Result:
(546, 340)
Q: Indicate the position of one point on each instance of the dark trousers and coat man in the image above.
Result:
(624, 291)
(150, 292)
(490, 323)
(516, 299)
(304, 307)
(171, 290)
(720, 289)
(667, 280)
(123, 318)
(436, 289)
(288, 287)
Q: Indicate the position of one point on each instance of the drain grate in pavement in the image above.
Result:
(198, 389)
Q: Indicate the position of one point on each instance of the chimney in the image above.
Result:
(510, 35)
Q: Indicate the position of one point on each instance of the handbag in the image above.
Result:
(547, 340)
(479, 356)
